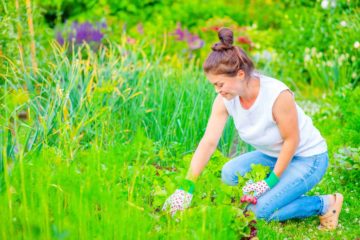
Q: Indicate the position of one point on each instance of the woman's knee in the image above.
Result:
(240, 166)
(229, 174)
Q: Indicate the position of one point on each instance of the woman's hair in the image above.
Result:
(226, 58)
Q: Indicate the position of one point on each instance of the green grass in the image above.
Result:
(117, 193)
(110, 135)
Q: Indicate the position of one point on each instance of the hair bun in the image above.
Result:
(220, 47)
(226, 37)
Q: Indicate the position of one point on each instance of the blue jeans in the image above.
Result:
(286, 199)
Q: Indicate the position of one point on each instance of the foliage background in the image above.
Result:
(104, 102)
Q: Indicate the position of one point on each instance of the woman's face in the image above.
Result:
(228, 87)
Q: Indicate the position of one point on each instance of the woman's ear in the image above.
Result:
(241, 74)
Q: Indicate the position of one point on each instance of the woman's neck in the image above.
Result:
(251, 91)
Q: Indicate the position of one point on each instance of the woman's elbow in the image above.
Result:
(293, 140)
(209, 144)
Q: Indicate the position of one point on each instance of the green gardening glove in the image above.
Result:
(261, 187)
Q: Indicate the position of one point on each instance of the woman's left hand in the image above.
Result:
(258, 188)
(261, 187)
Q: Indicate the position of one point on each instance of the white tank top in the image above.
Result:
(257, 127)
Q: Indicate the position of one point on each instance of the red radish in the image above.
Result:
(254, 201)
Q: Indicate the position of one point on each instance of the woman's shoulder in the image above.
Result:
(272, 88)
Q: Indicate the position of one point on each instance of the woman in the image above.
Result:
(266, 116)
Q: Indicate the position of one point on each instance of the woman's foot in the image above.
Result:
(330, 219)
(332, 199)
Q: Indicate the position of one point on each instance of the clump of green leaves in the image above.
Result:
(214, 206)
(258, 172)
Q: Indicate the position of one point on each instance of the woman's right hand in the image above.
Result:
(178, 201)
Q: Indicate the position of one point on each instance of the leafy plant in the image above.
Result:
(258, 172)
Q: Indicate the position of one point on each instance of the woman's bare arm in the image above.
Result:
(285, 115)
(210, 139)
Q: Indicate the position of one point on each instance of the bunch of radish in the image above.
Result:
(248, 199)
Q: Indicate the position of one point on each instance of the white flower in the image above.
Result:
(342, 57)
(313, 51)
(356, 44)
(343, 23)
(340, 61)
(325, 4)
(307, 58)
(329, 63)
(104, 167)
(310, 107)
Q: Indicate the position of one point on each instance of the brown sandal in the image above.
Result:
(330, 220)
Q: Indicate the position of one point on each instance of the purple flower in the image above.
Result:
(85, 32)
(194, 42)
(60, 38)
(181, 34)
